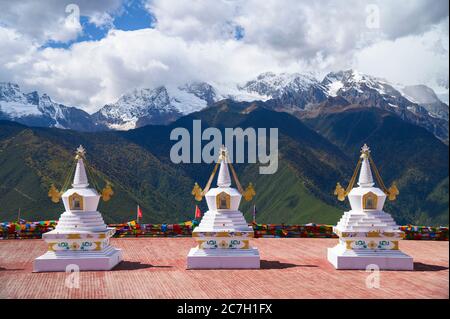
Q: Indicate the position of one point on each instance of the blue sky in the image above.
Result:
(132, 15)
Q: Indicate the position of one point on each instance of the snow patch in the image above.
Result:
(131, 124)
(15, 109)
(185, 102)
(334, 87)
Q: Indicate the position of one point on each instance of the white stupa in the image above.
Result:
(223, 235)
(81, 237)
(367, 234)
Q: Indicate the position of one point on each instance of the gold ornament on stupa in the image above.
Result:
(340, 192)
(197, 192)
(249, 192)
(107, 192)
(54, 194)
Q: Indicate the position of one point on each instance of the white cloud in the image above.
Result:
(102, 20)
(194, 20)
(97, 72)
(194, 40)
(410, 60)
(297, 29)
(56, 20)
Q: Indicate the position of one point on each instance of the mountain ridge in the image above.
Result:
(39, 110)
(295, 93)
(315, 153)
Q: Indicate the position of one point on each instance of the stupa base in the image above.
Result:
(223, 258)
(341, 258)
(85, 260)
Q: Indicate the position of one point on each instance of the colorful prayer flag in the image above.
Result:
(198, 213)
(139, 212)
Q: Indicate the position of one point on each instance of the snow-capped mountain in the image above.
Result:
(299, 94)
(426, 97)
(371, 91)
(164, 104)
(39, 110)
(364, 90)
(155, 106)
(202, 90)
(368, 91)
(288, 89)
(304, 95)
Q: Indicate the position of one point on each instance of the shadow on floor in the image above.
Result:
(10, 269)
(427, 267)
(133, 265)
(274, 264)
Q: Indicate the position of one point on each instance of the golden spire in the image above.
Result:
(80, 152)
(365, 151)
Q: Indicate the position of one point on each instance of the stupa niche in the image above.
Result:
(81, 237)
(367, 234)
(223, 235)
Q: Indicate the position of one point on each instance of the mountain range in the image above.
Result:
(315, 152)
(322, 125)
(301, 95)
(39, 110)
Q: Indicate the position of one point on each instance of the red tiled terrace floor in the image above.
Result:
(291, 268)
